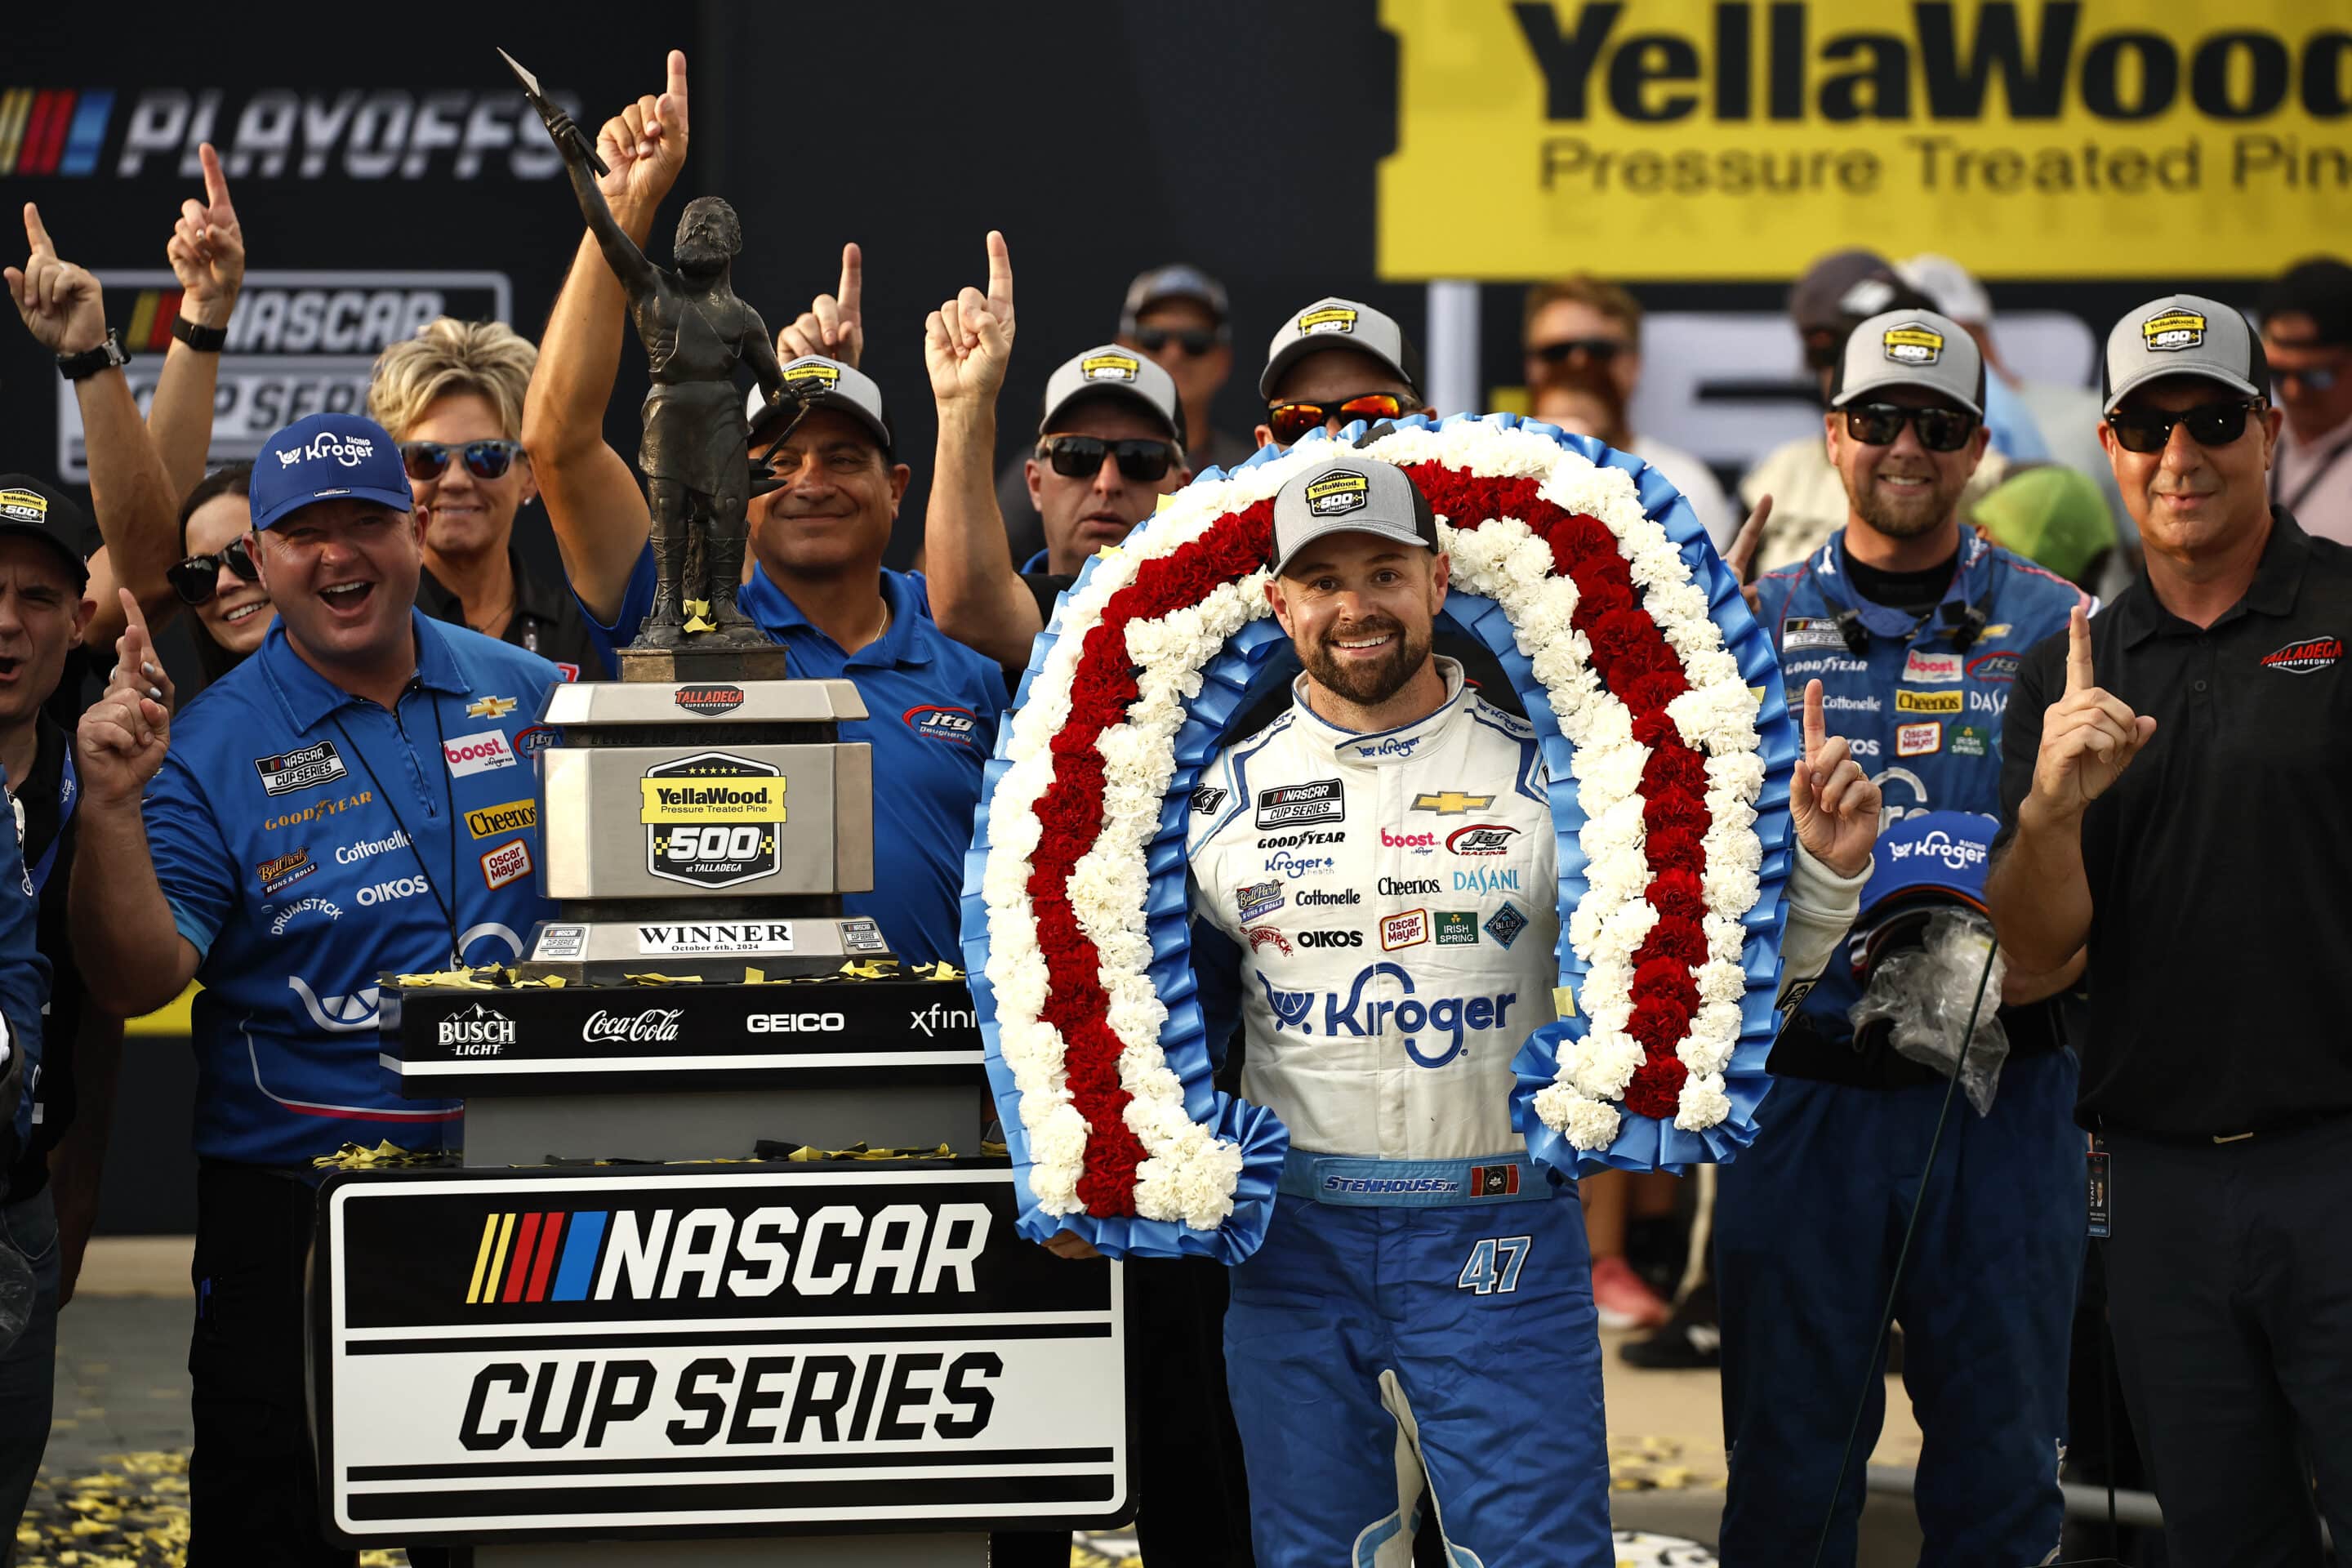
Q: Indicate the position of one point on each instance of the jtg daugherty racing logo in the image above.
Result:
(1406, 1015)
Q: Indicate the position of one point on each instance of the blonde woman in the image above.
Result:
(452, 396)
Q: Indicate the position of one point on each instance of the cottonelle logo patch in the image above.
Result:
(708, 701)
(2172, 330)
(712, 820)
(2307, 656)
(1912, 344)
(1330, 319)
(1336, 495)
(1109, 367)
(306, 769)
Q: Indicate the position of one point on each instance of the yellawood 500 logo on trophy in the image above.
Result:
(711, 819)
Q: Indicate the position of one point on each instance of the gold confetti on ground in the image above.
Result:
(1644, 1464)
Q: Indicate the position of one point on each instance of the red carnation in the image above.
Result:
(1652, 693)
(1674, 768)
(1679, 938)
(1655, 729)
(1677, 895)
(1667, 983)
(1676, 848)
(1656, 1088)
(1672, 811)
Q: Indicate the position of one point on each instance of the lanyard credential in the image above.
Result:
(69, 797)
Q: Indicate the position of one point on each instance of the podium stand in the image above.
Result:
(613, 1323)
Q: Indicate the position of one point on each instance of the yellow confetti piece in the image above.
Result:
(1563, 1001)
(754, 976)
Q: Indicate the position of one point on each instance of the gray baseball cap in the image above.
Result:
(1177, 282)
(1911, 348)
(2182, 335)
(1336, 323)
(821, 382)
(1348, 493)
(1110, 371)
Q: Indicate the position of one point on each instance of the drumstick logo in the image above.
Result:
(2304, 658)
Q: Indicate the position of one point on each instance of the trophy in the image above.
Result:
(699, 478)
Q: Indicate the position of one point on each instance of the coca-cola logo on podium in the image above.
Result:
(652, 1023)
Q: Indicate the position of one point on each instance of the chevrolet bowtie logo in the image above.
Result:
(1451, 803)
(491, 708)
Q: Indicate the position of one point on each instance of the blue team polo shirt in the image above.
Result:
(933, 706)
(309, 841)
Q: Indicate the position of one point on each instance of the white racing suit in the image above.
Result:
(1422, 1301)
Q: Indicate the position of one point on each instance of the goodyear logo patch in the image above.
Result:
(1336, 495)
(1914, 343)
(819, 371)
(1109, 367)
(1332, 319)
(2172, 330)
(23, 506)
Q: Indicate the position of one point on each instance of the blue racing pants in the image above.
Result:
(1366, 1345)
(1808, 1224)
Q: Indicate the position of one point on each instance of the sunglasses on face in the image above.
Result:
(484, 460)
(2209, 425)
(197, 578)
(1193, 340)
(1081, 457)
(1881, 424)
(1600, 351)
(2314, 378)
(1289, 421)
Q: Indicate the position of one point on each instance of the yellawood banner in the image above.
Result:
(1741, 139)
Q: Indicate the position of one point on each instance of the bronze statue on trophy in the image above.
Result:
(698, 479)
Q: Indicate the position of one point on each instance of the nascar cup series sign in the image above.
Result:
(789, 1350)
(298, 343)
(1733, 139)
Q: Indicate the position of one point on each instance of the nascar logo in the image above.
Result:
(53, 131)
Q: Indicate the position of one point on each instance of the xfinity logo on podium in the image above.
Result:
(652, 1026)
(929, 1021)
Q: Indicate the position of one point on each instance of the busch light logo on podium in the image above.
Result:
(480, 1030)
(713, 820)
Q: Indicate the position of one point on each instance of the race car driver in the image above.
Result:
(1374, 873)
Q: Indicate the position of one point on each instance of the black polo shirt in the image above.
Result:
(49, 799)
(2221, 863)
(545, 621)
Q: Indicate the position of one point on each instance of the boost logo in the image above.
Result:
(479, 752)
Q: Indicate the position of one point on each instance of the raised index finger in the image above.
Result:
(36, 234)
(1816, 725)
(853, 279)
(134, 619)
(2078, 653)
(676, 90)
(215, 181)
(1743, 544)
(999, 275)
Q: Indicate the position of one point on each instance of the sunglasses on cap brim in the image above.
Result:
(2209, 425)
(197, 578)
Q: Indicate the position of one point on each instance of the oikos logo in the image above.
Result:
(648, 1026)
(386, 892)
(1330, 939)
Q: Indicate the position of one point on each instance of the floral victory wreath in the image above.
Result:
(1591, 582)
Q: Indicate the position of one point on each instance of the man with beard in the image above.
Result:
(1421, 1301)
(1915, 628)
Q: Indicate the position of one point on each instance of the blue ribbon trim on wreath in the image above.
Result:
(1642, 1144)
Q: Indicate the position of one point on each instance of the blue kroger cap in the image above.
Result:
(1920, 864)
(322, 457)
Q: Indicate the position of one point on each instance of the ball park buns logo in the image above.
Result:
(1740, 140)
(1336, 495)
(1330, 319)
(1913, 342)
(2172, 330)
(1109, 367)
(23, 506)
(822, 374)
(712, 820)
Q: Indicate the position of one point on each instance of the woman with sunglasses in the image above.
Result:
(452, 398)
(215, 577)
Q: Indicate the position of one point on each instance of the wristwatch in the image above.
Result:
(108, 355)
(204, 339)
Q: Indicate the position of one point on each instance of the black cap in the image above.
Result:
(28, 505)
(2320, 289)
